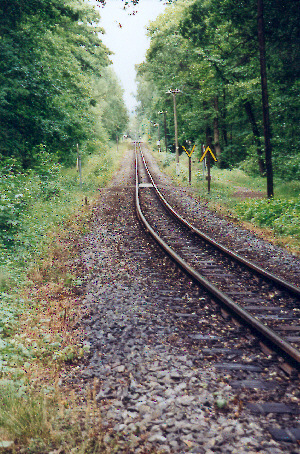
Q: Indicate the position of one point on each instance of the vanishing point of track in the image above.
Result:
(266, 303)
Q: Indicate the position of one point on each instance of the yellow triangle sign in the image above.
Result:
(189, 154)
(203, 156)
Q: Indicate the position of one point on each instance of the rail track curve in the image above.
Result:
(167, 228)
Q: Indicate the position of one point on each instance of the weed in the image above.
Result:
(282, 215)
(167, 159)
(23, 414)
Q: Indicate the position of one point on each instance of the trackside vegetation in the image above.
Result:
(57, 90)
(209, 51)
(243, 197)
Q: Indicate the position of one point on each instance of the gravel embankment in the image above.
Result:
(151, 390)
(223, 230)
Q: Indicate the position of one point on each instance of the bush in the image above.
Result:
(250, 166)
(14, 198)
(18, 190)
(281, 215)
(287, 168)
(168, 159)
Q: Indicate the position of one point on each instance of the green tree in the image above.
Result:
(233, 48)
(169, 64)
(50, 50)
(110, 104)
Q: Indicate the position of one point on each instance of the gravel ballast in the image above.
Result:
(151, 391)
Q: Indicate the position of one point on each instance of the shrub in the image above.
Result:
(19, 189)
(281, 215)
(168, 159)
(14, 197)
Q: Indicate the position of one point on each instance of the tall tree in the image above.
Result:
(50, 49)
(265, 101)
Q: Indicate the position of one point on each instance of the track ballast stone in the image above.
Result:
(150, 391)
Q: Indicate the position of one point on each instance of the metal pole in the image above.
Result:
(208, 172)
(203, 163)
(209, 144)
(165, 126)
(190, 170)
(159, 149)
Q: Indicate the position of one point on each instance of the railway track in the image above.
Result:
(173, 373)
(266, 303)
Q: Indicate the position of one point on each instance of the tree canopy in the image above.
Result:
(51, 58)
(209, 50)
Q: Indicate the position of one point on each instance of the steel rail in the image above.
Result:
(272, 277)
(259, 327)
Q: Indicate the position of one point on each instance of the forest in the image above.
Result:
(56, 91)
(209, 50)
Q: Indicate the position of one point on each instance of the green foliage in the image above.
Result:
(11, 354)
(209, 50)
(288, 167)
(109, 103)
(51, 57)
(13, 201)
(26, 243)
(281, 215)
(19, 190)
(168, 159)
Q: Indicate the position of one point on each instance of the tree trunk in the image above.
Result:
(265, 102)
(216, 130)
(224, 115)
(256, 135)
(208, 137)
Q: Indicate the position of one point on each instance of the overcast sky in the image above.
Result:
(126, 37)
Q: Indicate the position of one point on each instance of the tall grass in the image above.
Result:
(39, 421)
(29, 226)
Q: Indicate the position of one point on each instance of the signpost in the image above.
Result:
(165, 128)
(208, 165)
(203, 163)
(190, 161)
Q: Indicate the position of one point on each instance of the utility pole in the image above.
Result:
(265, 102)
(149, 134)
(165, 128)
(174, 93)
(158, 143)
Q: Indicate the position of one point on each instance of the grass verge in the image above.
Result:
(243, 198)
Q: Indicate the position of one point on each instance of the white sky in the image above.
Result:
(129, 42)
